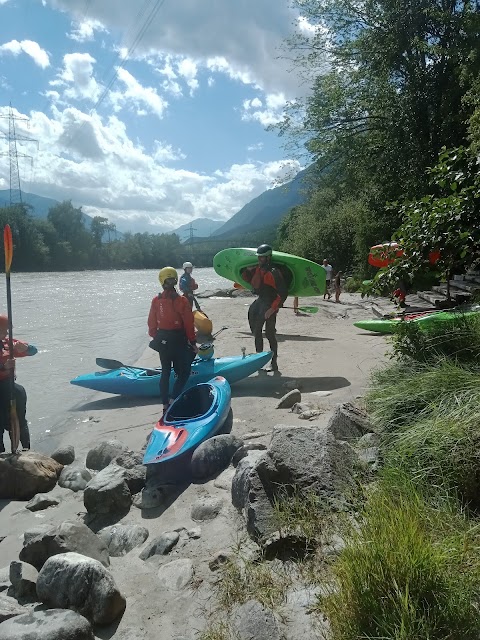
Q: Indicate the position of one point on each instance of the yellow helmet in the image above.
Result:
(167, 272)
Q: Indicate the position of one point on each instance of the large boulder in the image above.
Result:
(22, 475)
(103, 453)
(73, 581)
(128, 459)
(161, 545)
(136, 478)
(41, 501)
(214, 455)
(122, 538)
(107, 492)
(74, 478)
(68, 536)
(23, 578)
(9, 608)
(307, 458)
(64, 455)
(55, 624)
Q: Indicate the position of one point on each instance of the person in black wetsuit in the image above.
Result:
(269, 285)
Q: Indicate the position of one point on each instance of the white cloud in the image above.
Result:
(77, 77)
(94, 163)
(255, 147)
(305, 26)
(187, 68)
(242, 39)
(85, 31)
(145, 99)
(31, 48)
(266, 113)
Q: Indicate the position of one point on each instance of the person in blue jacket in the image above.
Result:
(187, 284)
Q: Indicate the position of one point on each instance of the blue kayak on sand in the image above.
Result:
(137, 381)
(197, 414)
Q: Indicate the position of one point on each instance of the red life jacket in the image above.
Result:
(171, 312)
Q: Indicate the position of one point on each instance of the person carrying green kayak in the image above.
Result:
(170, 324)
(268, 283)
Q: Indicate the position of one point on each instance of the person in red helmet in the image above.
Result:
(269, 285)
(7, 363)
(170, 324)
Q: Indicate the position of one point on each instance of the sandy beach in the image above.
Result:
(323, 355)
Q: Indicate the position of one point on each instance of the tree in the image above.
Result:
(98, 228)
(445, 222)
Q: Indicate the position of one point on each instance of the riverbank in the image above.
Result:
(323, 355)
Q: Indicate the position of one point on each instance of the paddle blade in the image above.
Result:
(106, 363)
(236, 285)
(14, 427)
(308, 309)
(8, 247)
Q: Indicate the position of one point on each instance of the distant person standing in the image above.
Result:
(338, 286)
(187, 284)
(328, 278)
(295, 305)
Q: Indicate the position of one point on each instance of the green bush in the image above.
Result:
(353, 284)
(458, 340)
(409, 571)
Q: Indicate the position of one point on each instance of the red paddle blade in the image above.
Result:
(8, 246)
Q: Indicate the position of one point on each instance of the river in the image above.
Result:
(73, 318)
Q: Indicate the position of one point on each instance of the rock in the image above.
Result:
(370, 456)
(55, 624)
(9, 608)
(5, 579)
(33, 532)
(152, 496)
(161, 545)
(348, 422)
(300, 407)
(224, 480)
(251, 621)
(243, 451)
(214, 455)
(305, 457)
(135, 477)
(64, 455)
(206, 508)
(176, 575)
(122, 538)
(103, 453)
(68, 536)
(311, 414)
(41, 501)
(289, 399)
(23, 577)
(73, 581)
(128, 459)
(221, 557)
(194, 533)
(74, 478)
(255, 434)
(25, 474)
(251, 499)
(107, 492)
(369, 440)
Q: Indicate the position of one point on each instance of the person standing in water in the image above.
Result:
(170, 324)
(187, 284)
(7, 363)
(269, 285)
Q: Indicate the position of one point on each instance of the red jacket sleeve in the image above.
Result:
(187, 317)
(269, 280)
(152, 319)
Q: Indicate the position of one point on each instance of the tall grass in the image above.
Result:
(410, 571)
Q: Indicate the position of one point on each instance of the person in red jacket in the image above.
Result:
(170, 324)
(7, 363)
(268, 283)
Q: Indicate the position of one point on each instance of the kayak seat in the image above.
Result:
(193, 403)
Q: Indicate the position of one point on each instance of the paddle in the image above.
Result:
(14, 424)
(108, 363)
(236, 285)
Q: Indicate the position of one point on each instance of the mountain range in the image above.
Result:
(201, 227)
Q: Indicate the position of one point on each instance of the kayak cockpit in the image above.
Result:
(193, 403)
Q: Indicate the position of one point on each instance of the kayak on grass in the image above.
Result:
(138, 381)
(305, 278)
(197, 414)
(424, 319)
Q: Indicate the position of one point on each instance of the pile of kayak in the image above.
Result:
(423, 319)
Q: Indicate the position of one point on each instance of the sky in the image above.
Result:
(150, 113)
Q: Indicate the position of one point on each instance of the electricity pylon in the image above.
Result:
(13, 155)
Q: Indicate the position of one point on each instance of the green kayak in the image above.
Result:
(424, 319)
(305, 278)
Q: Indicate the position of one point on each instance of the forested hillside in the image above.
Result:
(392, 83)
